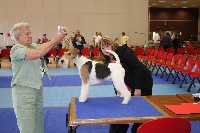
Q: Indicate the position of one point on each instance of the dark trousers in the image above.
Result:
(122, 128)
(166, 46)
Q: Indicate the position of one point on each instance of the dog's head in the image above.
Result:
(68, 56)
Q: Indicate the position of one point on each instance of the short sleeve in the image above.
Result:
(18, 52)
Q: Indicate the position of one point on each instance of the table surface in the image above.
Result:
(157, 101)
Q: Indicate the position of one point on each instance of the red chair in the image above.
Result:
(86, 52)
(190, 51)
(161, 49)
(166, 64)
(174, 64)
(148, 57)
(166, 125)
(170, 50)
(96, 53)
(181, 51)
(139, 52)
(5, 53)
(179, 67)
(161, 62)
(52, 53)
(198, 52)
(158, 59)
(61, 52)
(195, 75)
(190, 64)
(152, 58)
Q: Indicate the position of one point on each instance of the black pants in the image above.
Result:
(123, 128)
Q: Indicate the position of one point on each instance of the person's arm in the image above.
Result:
(32, 54)
(83, 40)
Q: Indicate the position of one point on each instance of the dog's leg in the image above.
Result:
(84, 92)
(121, 87)
(85, 83)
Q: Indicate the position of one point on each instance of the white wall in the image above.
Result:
(111, 17)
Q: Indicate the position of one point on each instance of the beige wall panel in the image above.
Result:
(120, 24)
(104, 6)
(120, 6)
(3, 6)
(87, 26)
(2, 30)
(138, 22)
(33, 6)
(51, 6)
(87, 6)
(12, 18)
(35, 20)
(50, 23)
(105, 24)
(71, 21)
(17, 6)
(69, 6)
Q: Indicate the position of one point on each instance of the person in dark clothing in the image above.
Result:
(78, 41)
(166, 41)
(175, 43)
(137, 76)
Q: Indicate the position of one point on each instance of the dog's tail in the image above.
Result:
(116, 56)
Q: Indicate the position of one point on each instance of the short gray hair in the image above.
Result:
(16, 30)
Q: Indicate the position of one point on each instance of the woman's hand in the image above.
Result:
(137, 92)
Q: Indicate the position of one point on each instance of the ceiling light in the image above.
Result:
(174, 4)
(184, 7)
(162, 1)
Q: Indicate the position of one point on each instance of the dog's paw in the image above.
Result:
(82, 99)
(125, 102)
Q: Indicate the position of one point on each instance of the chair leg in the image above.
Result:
(192, 82)
(173, 82)
(182, 81)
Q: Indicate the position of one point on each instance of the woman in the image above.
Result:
(28, 68)
(137, 76)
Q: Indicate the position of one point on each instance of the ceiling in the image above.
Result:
(174, 3)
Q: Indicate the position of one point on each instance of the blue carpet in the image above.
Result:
(75, 80)
(63, 80)
(55, 122)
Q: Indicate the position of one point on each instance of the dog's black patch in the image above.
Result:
(102, 71)
(89, 63)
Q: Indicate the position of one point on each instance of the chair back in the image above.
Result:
(159, 56)
(161, 49)
(190, 51)
(5, 53)
(96, 52)
(190, 63)
(175, 59)
(139, 50)
(85, 52)
(197, 66)
(164, 57)
(170, 50)
(181, 51)
(166, 125)
(198, 51)
(169, 58)
(61, 52)
(182, 62)
(52, 53)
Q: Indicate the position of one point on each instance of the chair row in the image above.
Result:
(182, 65)
(188, 51)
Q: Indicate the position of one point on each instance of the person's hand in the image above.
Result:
(137, 92)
